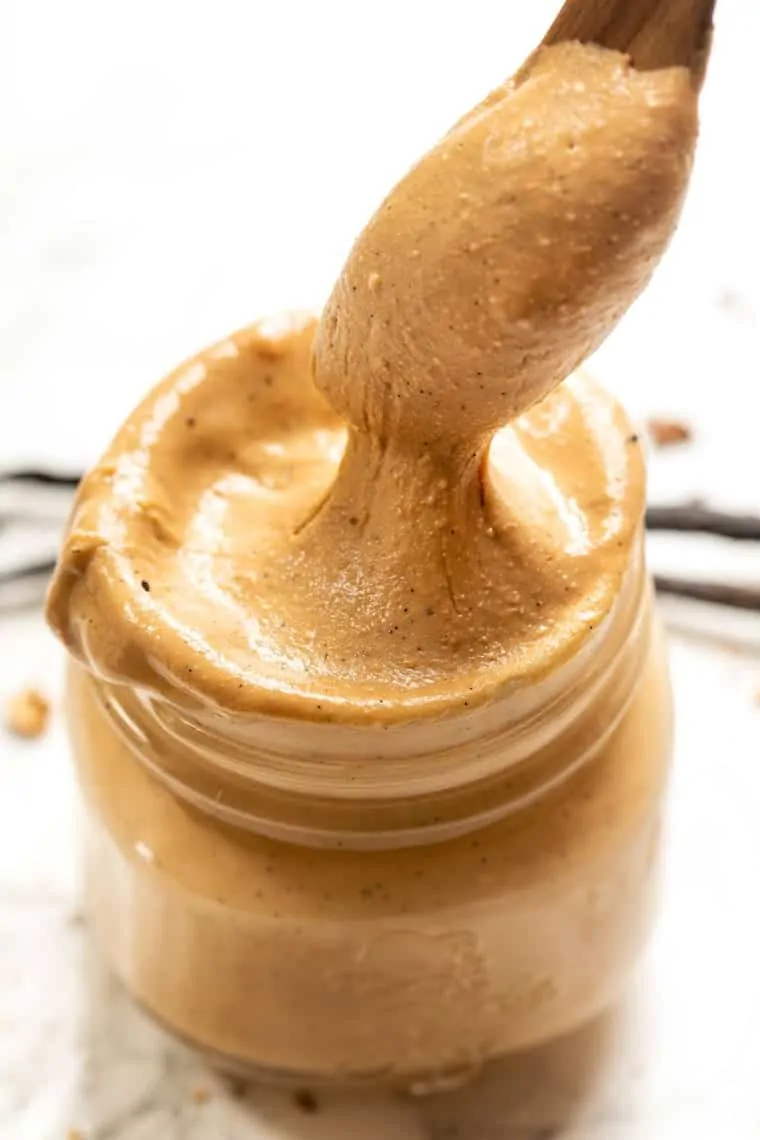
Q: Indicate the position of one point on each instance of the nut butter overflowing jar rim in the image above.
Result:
(374, 787)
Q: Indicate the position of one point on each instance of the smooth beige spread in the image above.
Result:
(214, 555)
(389, 528)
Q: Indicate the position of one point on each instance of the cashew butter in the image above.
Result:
(367, 703)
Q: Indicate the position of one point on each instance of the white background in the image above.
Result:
(171, 170)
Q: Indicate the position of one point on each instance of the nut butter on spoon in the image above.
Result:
(368, 706)
(490, 272)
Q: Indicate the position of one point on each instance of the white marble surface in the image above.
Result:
(173, 177)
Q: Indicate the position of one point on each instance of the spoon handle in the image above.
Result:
(654, 33)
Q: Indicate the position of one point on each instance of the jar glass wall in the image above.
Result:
(407, 963)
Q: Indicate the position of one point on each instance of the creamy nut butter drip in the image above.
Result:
(398, 510)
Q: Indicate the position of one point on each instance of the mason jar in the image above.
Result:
(296, 915)
(348, 869)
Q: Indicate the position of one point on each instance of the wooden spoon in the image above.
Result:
(654, 33)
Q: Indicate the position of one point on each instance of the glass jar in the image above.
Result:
(370, 709)
(296, 916)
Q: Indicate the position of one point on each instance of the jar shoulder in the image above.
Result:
(583, 819)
